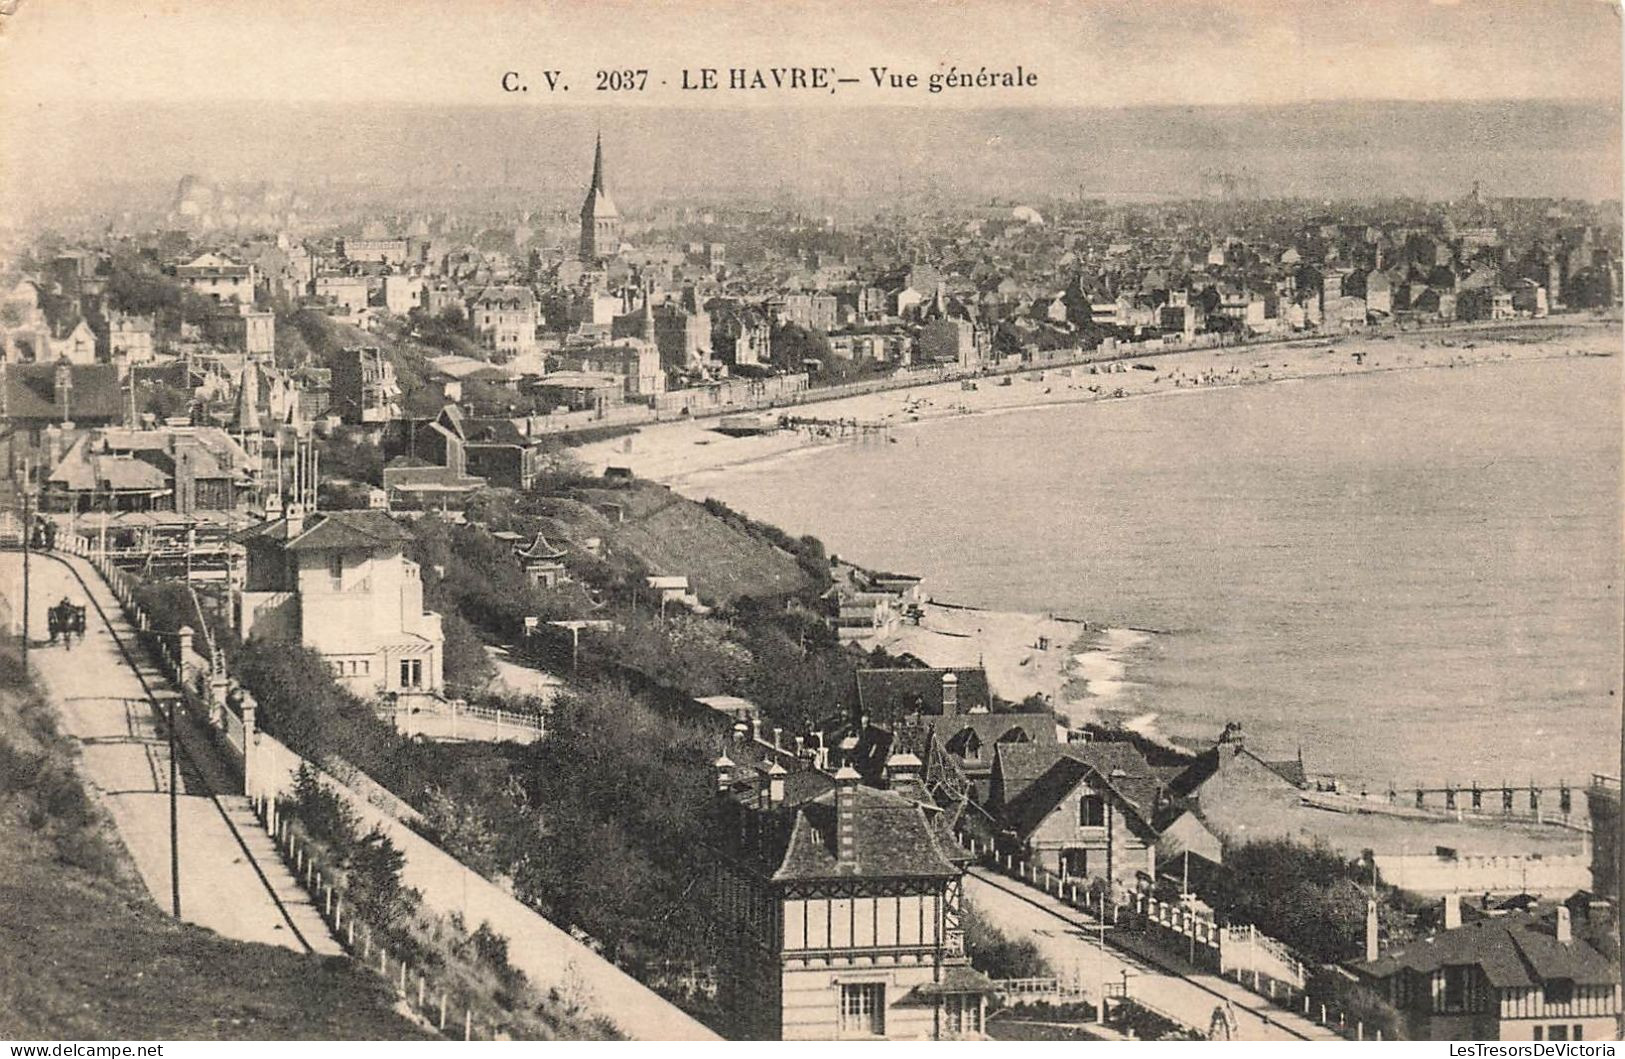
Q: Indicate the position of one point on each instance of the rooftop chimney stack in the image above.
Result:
(724, 773)
(1371, 948)
(901, 767)
(846, 816)
(775, 784)
(1452, 911)
(1565, 925)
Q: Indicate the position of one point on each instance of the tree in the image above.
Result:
(1309, 897)
(468, 666)
(994, 953)
(791, 345)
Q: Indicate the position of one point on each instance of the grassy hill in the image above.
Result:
(88, 956)
(670, 534)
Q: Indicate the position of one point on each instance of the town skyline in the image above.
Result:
(1363, 150)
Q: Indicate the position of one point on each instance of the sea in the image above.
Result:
(1405, 576)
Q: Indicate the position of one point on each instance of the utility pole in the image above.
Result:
(28, 519)
(174, 821)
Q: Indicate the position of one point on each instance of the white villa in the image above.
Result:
(339, 583)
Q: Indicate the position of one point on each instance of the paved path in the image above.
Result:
(231, 879)
(1069, 940)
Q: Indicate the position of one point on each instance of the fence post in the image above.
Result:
(442, 1011)
(1323, 1014)
(1359, 1031)
(468, 1024)
(403, 978)
(422, 983)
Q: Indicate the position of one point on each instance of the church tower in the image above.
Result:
(600, 220)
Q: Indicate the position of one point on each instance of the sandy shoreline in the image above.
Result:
(674, 453)
(1081, 668)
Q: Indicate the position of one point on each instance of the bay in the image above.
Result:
(1410, 575)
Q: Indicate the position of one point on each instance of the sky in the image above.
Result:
(140, 92)
(1085, 53)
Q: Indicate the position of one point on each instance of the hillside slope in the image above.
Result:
(86, 955)
(670, 534)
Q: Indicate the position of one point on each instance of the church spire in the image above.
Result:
(598, 164)
(600, 220)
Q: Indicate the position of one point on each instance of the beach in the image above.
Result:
(672, 452)
(1085, 671)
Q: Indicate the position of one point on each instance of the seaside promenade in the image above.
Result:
(677, 451)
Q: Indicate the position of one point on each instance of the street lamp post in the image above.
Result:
(174, 821)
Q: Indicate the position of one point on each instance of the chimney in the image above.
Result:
(724, 773)
(901, 767)
(846, 816)
(1371, 948)
(775, 784)
(1452, 911)
(778, 738)
(950, 694)
(1565, 925)
(1231, 743)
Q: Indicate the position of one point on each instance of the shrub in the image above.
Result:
(996, 954)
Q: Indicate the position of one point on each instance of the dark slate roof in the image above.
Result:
(1519, 949)
(1019, 764)
(333, 529)
(990, 728)
(1035, 779)
(894, 692)
(1207, 763)
(350, 529)
(487, 430)
(896, 838)
(31, 392)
